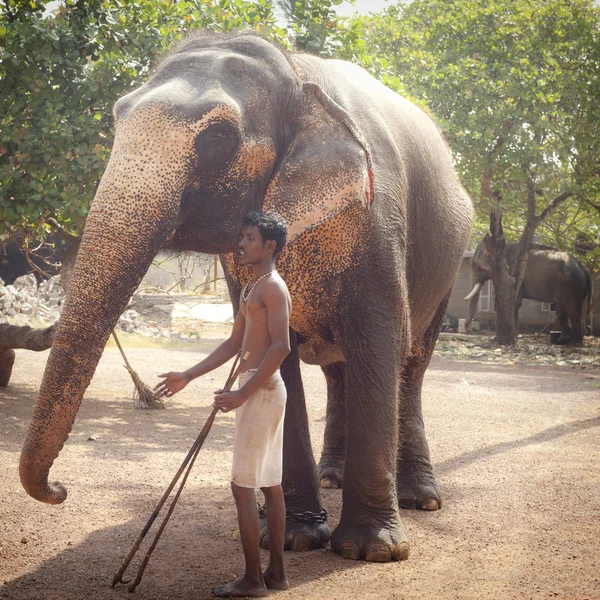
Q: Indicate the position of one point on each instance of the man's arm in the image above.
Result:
(278, 320)
(173, 381)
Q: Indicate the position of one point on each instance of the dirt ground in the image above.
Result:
(515, 448)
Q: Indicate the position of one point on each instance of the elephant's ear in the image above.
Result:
(326, 170)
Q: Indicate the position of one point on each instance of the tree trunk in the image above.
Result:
(14, 336)
(504, 284)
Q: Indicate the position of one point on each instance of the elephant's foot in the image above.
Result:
(300, 535)
(420, 496)
(331, 474)
(371, 542)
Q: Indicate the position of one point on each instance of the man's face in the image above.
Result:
(251, 246)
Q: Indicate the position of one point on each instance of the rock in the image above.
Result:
(91, 438)
(24, 540)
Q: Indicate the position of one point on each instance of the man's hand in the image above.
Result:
(227, 401)
(172, 383)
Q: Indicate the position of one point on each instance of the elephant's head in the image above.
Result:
(480, 273)
(223, 125)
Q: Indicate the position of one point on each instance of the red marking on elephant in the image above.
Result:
(371, 192)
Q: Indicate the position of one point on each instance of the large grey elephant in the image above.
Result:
(550, 276)
(378, 223)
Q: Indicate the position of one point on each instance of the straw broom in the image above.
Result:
(143, 396)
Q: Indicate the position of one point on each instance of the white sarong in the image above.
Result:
(258, 438)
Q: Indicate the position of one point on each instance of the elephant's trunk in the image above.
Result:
(135, 211)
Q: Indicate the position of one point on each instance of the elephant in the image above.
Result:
(46, 257)
(550, 276)
(377, 225)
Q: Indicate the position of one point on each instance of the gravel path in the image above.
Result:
(516, 450)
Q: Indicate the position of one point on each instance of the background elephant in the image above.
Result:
(378, 223)
(46, 257)
(550, 276)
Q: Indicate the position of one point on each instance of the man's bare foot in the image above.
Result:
(241, 588)
(275, 580)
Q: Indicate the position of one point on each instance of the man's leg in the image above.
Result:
(274, 576)
(252, 583)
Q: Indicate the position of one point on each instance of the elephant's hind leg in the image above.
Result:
(416, 484)
(563, 320)
(333, 456)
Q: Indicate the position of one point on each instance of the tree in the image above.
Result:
(516, 86)
(314, 26)
(61, 70)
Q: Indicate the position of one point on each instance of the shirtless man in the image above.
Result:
(261, 328)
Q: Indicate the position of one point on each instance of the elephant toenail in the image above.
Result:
(378, 553)
(401, 551)
(329, 483)
(303, 543)
(350, 550)
(430, 504)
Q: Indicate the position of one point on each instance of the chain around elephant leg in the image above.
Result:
(300, 529)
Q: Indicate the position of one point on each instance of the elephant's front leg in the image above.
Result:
(370, 527)
(306, 526)
(333, 456)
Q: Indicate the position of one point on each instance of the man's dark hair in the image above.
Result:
(271, 227)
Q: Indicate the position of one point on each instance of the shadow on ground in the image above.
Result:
(206, 555)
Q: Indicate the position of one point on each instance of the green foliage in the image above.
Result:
(314, 25)
(516, 88)
(60, 74)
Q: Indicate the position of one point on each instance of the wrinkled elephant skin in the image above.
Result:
(378, 223)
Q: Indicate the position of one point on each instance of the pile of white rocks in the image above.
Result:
(25, 301)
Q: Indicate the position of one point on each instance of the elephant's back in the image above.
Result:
(380, 113)
(419, 200)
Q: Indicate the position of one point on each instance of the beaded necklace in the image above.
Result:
(246, 292)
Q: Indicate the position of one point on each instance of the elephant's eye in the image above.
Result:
(215, 145)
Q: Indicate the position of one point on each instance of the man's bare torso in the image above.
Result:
(257, 339)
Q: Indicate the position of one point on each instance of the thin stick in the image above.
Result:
(127, 365)
(546, 327)
(142, 568)
(191, 455)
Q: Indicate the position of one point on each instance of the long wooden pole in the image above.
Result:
(191, 456)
